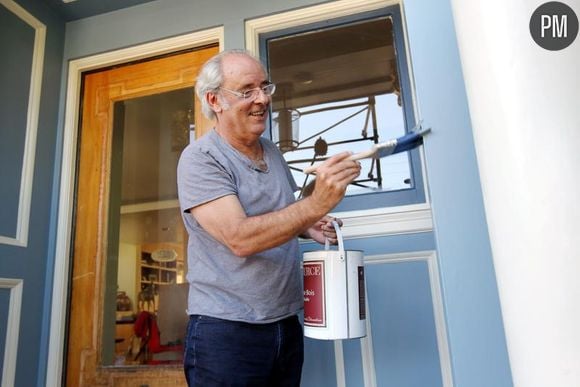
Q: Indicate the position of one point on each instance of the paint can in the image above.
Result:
(334, 293)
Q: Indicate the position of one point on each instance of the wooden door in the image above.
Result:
(101, 90)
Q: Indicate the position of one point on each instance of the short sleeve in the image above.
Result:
(201, 178)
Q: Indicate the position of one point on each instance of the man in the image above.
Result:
(236, 197)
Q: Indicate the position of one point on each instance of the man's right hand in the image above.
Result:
(333, 177)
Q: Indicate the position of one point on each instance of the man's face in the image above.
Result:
(245, 117)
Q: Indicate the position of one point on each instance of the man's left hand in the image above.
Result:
(324, 229)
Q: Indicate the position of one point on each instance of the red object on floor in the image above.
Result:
(147, 330)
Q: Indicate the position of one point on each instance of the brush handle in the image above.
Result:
(357, 156)
(385, 148)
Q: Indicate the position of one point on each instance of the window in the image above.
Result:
(343, 84)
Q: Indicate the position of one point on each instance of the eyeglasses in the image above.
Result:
(252, 94)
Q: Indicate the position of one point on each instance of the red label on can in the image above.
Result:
(314, 297)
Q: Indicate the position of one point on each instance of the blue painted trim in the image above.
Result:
(473, 316)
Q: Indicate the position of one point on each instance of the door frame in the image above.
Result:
(61, 283)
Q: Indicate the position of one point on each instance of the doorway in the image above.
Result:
(128, 244)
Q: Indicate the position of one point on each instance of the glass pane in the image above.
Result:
(338, 89)
(146, 258)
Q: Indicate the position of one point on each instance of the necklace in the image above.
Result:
(260, 164)
(258, 160)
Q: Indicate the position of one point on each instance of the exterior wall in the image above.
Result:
(26, 261)
(472, 309)
(524, 105)
(459, 235)
(473, 317)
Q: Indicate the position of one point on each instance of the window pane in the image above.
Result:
(338, 89)
(146, 260)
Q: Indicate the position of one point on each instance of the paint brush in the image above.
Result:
(396, 145)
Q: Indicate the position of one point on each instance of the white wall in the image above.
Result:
(128, 255)
(524, 103)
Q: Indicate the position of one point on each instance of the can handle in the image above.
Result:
(338, 236)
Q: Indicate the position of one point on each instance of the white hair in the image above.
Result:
(211, 77)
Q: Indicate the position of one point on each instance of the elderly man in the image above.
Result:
(238, 206)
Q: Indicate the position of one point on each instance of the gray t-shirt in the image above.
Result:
(261, 288)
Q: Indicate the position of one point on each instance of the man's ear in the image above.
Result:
(213, 102)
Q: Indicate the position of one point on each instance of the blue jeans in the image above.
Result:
(230, 353)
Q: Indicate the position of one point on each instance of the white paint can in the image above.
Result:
(334, 293)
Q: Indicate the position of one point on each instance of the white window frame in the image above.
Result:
(393, 220)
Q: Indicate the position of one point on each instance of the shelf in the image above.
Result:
(153, 275)
(150, 266)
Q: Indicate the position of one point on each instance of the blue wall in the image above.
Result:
(474, 323)
(15, 69)
(401, 315)
(33, 263)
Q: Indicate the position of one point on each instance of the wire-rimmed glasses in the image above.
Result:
(252, 94)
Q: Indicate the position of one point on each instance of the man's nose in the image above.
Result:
(262, 97)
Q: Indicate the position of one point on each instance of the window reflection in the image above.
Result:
(339, 89)
(146, 259)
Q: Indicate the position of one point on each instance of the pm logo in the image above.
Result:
(554, 26)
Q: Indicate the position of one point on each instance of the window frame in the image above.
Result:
(416, 194)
